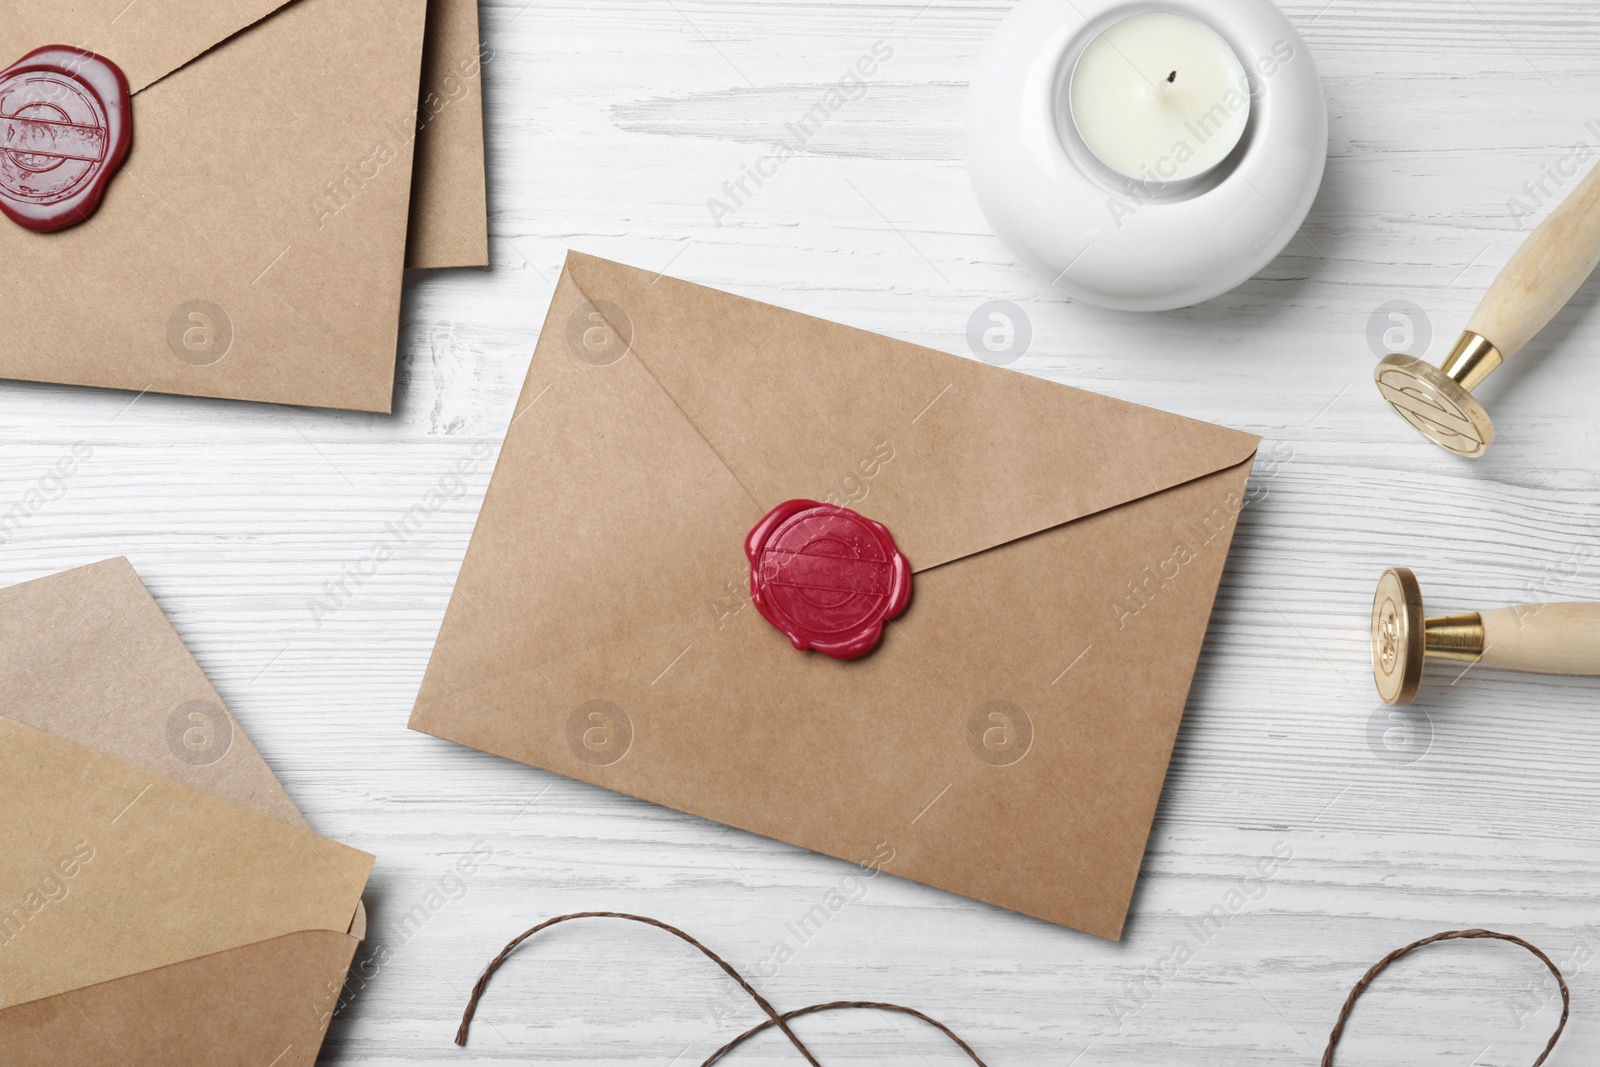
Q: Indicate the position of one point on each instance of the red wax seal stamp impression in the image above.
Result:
(65, 126)
(826, 577)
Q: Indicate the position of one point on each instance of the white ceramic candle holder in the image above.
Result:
(1142, 245)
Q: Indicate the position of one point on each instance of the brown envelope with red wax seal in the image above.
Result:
(289, 160)
(1008, 738)
(162, 901)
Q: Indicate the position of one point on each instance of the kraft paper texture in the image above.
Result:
(254, 244)
(162, 901)
(1009, 739)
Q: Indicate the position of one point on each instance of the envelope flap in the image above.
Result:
(108, 870)
(954, 456)
(267, 1004)
(87, 655)
(148, 39)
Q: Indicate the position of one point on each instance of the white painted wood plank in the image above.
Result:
(611, 125)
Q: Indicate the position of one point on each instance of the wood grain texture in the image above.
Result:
(1556, 260)
(1544, 638)
(1318, 829)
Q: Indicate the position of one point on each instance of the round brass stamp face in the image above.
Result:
(1436, 406)
(1397, 632)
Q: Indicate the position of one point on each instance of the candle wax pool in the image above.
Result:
(1160, 97)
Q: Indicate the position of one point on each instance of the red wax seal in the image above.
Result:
(827, 577)
(65, 126)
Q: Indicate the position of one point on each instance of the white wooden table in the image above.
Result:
(611, 125)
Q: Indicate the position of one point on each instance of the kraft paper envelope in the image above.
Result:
(1007, 741)
(254, 244)
(450, 198)
(162, 902)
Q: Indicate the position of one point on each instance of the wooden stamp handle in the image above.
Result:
(1545, 273)
(1544, 639)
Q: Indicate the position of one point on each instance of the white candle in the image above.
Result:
(1160, 97)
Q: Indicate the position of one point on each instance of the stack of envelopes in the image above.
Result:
(162, 901)
(1007, 741)
(289, 161)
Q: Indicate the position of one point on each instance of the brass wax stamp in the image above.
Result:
(1540, 638)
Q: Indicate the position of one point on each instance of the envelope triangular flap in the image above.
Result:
(265, 1003)
(982, 456)
(598, 627)
(216, 221)
(148, 39)
(88, 655)
(108, 870)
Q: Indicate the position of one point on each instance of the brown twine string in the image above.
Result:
(773, 1017)
(846, 1004)
(1454, 935)
(781, 1021)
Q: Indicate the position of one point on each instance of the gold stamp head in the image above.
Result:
(1435, 405)
(1397, 636)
